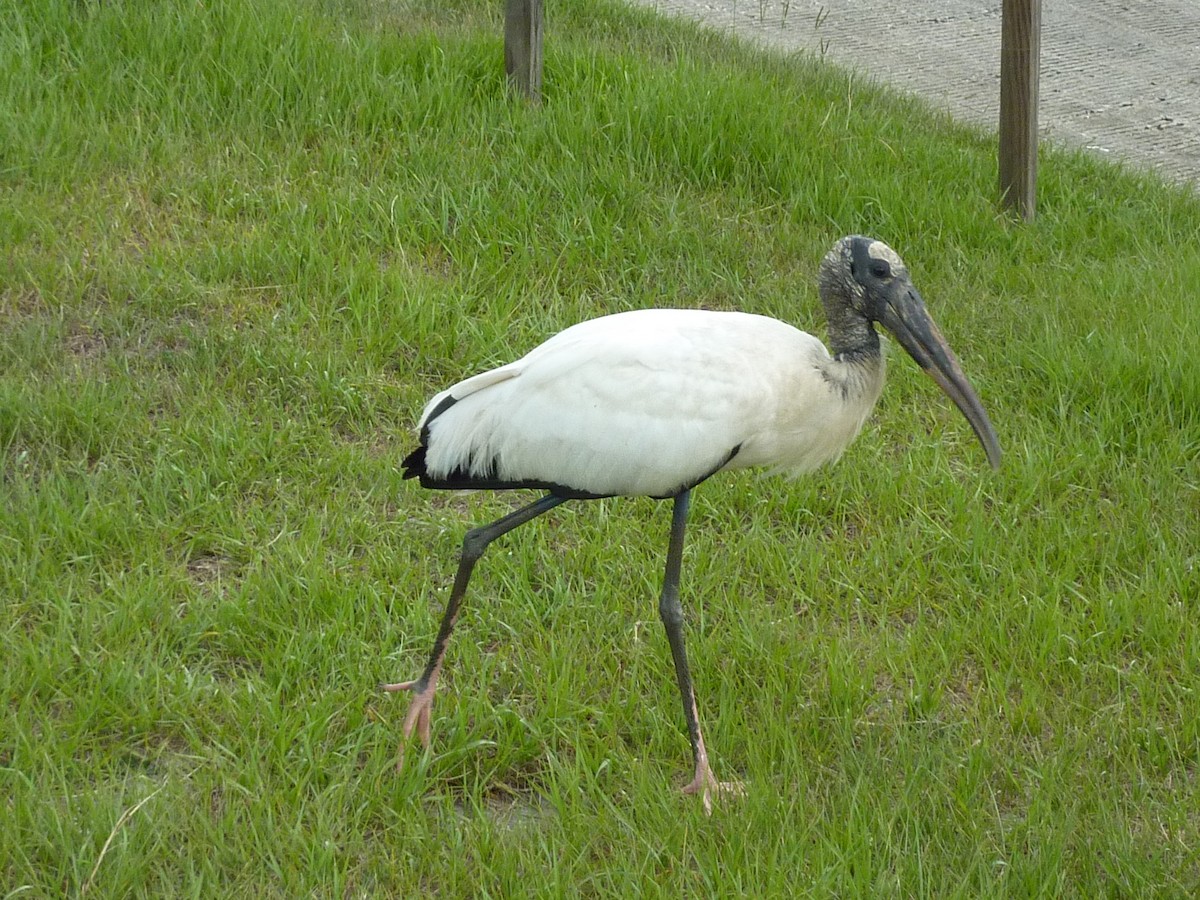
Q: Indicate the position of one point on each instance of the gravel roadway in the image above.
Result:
(1118, 77)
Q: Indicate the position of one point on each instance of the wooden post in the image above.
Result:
(523, 46)
(1020, 51)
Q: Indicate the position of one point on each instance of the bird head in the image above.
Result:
(864, 281)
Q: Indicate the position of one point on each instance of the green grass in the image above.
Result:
(243, 242)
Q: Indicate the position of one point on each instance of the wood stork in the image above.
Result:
(653, 402)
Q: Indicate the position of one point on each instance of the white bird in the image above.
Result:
(653, 402)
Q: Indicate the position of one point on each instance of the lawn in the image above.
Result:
(243, 241)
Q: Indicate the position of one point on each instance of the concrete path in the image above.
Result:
(1119, 77)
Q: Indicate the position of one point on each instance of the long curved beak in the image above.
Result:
(905, 317)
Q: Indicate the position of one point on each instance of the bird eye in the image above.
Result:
(880, 269)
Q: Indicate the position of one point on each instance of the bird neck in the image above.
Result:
(852, 335)
(852, 338)
(858, 372)
(858, 364)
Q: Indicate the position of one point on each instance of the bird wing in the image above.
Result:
(469, 386)
(638, 403)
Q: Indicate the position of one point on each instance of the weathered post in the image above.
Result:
(1020, 51)
(523, 46)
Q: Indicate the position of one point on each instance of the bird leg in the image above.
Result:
(423, 688)
(669, 609)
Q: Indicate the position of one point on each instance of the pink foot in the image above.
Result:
(706, 785)
(418, 713)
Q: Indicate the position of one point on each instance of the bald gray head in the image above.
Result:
(854, 279)
(863, 281)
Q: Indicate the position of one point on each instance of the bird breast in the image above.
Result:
(652, 401)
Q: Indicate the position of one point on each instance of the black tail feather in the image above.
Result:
(462, 480)
(414, 463)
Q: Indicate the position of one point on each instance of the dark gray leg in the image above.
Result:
(474, 544)
(671, 612)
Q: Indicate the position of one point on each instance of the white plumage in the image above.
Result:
(654, 402)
